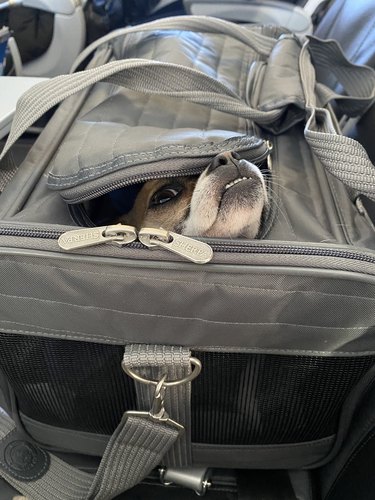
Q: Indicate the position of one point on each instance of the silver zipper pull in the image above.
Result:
(194, 250)
(92, 236)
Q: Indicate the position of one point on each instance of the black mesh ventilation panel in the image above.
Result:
(238, 398)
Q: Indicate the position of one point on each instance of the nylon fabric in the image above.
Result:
(255, 301)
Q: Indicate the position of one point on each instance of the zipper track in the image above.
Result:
(78, 212)
(135, 179)
(228, 247)
(163, 174)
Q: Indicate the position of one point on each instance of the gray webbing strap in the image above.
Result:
(137, 446)
(342, 156)
(152, 362)
(141, 75)
(357, 81)
(8, 168)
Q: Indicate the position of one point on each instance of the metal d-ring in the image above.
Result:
(171, 383)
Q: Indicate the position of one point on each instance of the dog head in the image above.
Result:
(227, 201)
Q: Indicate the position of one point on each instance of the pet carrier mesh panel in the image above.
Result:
(240, 399)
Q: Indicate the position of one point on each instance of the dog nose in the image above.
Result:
(223, 159)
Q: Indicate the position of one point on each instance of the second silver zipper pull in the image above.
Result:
(193, 250)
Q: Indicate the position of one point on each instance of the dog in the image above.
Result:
(226, 201)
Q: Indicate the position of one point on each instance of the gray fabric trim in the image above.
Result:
(65, 439)
(152, 362)
(287, 456)
(184, 153)
(252, 296)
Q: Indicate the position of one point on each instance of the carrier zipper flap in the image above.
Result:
(164, 162)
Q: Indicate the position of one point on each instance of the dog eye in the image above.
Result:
(165, 194)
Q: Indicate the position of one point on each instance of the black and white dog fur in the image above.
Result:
(227, 201)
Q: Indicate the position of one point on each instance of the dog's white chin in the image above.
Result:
(237, 224)
(240, 214)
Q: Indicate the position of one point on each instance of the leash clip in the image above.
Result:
(158, 410)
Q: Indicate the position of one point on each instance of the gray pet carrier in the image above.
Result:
(113, 346)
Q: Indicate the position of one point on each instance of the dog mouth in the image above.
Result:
(228, 201)
(234, 182)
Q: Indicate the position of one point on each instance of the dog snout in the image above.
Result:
(226, 158)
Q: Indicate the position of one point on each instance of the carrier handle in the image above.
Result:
(345, 158)
(141, 75)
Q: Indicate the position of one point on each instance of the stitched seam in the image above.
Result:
(165, 280)
(323, 441)
(17, 475)
(243, 123)
(340, 211)
(114, 143)
(113, 340)
(78, 336)
(197, 319)
(158, 153)
(280, 206)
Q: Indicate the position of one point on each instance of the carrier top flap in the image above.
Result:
(246, 64)
(131, 134)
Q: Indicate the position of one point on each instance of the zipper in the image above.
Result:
(78, 211)
(76, 196)
(155, 238)
(194, 250)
